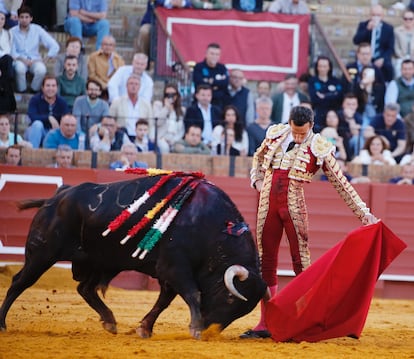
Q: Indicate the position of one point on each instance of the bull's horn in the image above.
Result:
(235, 271)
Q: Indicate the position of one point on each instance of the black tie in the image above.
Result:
(290, 146)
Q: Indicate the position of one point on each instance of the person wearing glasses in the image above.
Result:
(169, 115)
(404, 41)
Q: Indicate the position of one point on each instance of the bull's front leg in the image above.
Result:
(166, 296)
(193, 300)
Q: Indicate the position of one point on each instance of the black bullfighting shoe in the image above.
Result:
(255, 334)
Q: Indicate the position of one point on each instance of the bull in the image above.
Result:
(207, 254)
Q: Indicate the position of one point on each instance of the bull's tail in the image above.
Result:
(30, 203)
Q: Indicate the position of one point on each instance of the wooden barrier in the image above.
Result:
(330, 219)
(210, 165)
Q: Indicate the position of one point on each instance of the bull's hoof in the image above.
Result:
(143, 333)
(195, 333)
(110, 327)
(2, 329)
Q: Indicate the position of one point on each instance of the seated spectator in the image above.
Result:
(263, 88)
(363, 59)
(142, 141)
(106, 136)
(231, 119)
(89, 109)
(88, 18)
(404, 41)
(103, 63)
(64, 135)
(401, 90)
(7, 100)
(284, 101)
(240, 96)
(117, 83)
(192, 144)
(407, 175)
(225, 146)
(332, 136)
(257, 130)
(13, 155)
(370, 93)
(144, 33)
(291, 7)
(45, 110)
(209, 4)
(127, 109)
(9, 9)
(344, 168)
(247, 5)
(8, 138)
(73, 48)
(325, 91)
(375, 152)
(127, 158)
(202, 113)
(170, 118)
(392, 128)
(63, 157)
(70, 84)
(27, 38)
(350, 125)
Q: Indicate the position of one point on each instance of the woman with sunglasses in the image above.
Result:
(404, 41)
(169, 118)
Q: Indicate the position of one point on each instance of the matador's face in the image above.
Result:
(300, 133)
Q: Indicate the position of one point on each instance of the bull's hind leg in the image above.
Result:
(25, 278)
(88, 289)
(166, 296)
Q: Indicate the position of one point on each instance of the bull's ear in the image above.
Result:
(236, 229)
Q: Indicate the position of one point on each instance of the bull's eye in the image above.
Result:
(230, 298)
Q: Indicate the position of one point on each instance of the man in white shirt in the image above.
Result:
(117, 83)
(128, 109)
(27, 38)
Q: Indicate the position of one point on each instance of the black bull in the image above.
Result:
(200, 257)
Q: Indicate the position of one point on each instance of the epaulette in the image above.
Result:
(321, 147)
(277, 130)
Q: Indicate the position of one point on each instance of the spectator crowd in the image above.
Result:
(98, 102)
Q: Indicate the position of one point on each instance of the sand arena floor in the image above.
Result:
(50, 320)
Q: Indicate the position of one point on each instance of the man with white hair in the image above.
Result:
(117, 83)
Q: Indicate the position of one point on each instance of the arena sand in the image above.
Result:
(50, 320)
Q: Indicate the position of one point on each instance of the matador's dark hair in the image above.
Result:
(300, 115)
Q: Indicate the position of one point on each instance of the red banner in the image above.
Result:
(265, 46)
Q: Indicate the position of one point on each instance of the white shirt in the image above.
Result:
(117, 84)
(207, 134)
(288, 104)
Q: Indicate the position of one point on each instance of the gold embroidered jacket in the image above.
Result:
(302, 163)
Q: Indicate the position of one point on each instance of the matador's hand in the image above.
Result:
(369, 218)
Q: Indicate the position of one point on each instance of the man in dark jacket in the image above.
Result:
(202, 113)
(380, 35)
(210, 71)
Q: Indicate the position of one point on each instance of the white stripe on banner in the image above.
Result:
(239, 23)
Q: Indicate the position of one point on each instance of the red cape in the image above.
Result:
(331, 298)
